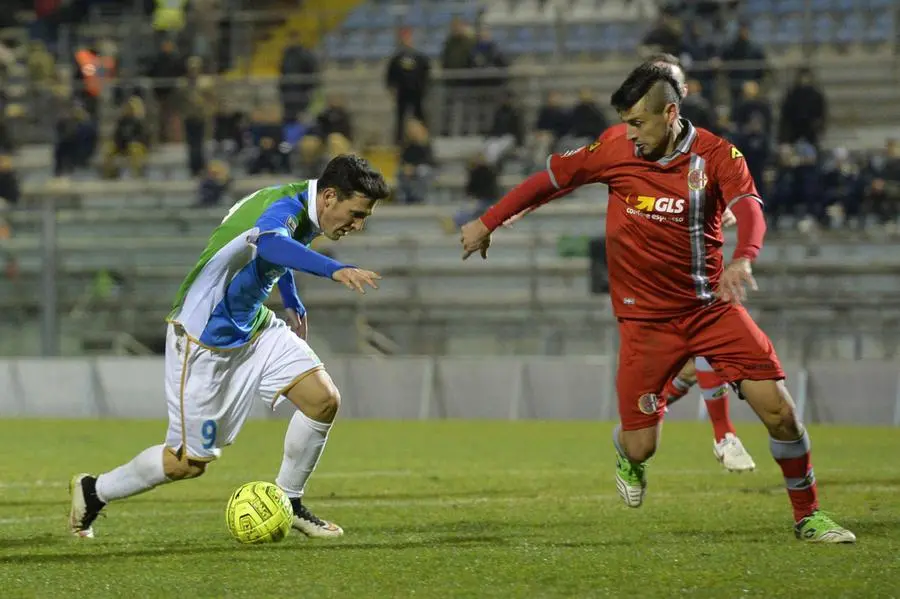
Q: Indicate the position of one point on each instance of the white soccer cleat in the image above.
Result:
(731, 454)
(313, 526)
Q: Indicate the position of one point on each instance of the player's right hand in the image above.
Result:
(475, 237)
(356, 279)
(732, 284)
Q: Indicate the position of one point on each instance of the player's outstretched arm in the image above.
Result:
(533, 191)
(284, 251)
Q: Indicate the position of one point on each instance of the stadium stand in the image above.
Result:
(839, 283)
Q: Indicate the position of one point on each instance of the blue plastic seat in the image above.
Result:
(851, 29)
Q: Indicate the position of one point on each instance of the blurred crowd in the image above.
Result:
(105, 127)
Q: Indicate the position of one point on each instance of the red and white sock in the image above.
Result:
(796, 465)
(675, 390)
(715, 395)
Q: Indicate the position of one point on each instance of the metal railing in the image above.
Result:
(815, 308)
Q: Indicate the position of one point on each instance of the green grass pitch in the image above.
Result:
(454, 509)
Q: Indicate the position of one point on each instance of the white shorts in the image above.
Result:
(210, 392)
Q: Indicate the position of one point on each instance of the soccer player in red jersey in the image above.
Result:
(727, 446)
(669, 184)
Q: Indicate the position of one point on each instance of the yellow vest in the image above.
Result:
(169, 15)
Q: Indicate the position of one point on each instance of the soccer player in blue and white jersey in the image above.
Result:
(225, 349)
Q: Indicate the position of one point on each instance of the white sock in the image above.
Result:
(304, 442)
(141, 474)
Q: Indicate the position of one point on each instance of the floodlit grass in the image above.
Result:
(454, 509)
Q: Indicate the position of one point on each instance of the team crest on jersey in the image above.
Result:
(291, 224)
(648, 403)
(697, 179)
(594, 146)
(735, 153)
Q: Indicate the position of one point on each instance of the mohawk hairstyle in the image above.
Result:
(663, 57)
(643, 80)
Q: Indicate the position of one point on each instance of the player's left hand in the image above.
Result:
(475, 237)
(299, 325)
(737, 277)
(728, 218)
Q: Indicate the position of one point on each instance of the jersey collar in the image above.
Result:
(312, 209)
(683, 147)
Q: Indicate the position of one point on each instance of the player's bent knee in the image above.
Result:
(774, 406)
(317, 396)
(181, 468)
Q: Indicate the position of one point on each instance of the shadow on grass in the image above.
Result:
(41, 540)
(451, 541)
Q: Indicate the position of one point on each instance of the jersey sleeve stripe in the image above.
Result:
(550, 172)
(741, 197)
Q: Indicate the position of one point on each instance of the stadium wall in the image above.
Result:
(490, 387)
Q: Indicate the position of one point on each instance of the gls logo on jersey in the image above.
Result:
(658, 209)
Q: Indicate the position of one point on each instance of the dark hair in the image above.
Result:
(348, 174)
(641, 81)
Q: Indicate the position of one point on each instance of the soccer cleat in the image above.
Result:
(311, 525)
(731, 454)
(85, 505)
(631, 481)
(820, 528)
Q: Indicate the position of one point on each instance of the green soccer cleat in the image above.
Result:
(819, 528)
(631, 481)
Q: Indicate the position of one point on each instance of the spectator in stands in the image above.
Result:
(130, 141)
(197, 96)
(40, 63)
(701, 58)
(842, 189)
(95, 68)
(228, 130)
(751, 106)
(587, 120)
(166, 68)
(755, 142)
(507, 132)
(334, 124)
(482, 187)
(882, 184)
(7, 144)
(268, 155)
(9, 182)
(408, 75)
(331, 135)
(203, 22)
(490, 73)
(456, 57)
(65, 148)
(299, 77)
(214, 185)
(804, 110)
(667, 35)
(169, 18)
(696, 108)
(744, 60)
(553, 122)
(796, 186)
(416, 164)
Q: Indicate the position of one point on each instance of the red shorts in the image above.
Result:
(651, 352)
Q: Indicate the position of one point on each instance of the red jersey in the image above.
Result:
(663, 224)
